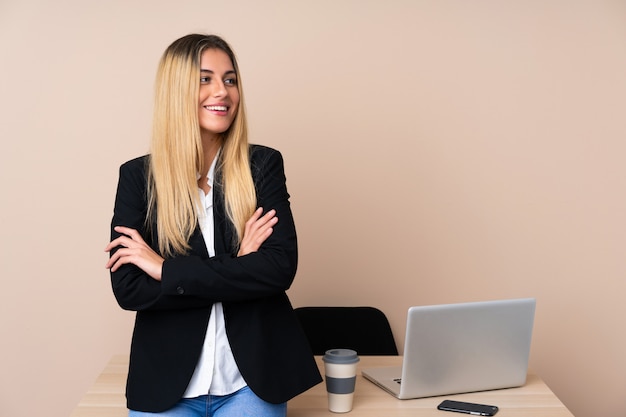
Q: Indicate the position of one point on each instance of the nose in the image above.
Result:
(219, 89)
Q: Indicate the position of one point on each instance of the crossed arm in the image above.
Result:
(134, 250)
(141, 279)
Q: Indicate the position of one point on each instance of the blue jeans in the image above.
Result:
(243, 403)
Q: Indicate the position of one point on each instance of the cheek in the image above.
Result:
(235, 98)
(202, 93)
(235, 102)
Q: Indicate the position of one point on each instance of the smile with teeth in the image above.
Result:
(216, 108)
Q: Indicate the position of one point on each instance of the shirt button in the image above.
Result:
(180, 290)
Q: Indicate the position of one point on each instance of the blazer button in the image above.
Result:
(180, 290)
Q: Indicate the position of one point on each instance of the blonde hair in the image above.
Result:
(177, 154)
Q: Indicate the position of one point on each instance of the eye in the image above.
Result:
(230, 81)
(205, 80)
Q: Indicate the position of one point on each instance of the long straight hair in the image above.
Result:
(177, 154)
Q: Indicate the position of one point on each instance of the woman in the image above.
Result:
(195, 252)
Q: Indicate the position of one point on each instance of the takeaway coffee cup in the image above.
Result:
(340, 370)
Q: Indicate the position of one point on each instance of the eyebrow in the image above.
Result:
(211, 72)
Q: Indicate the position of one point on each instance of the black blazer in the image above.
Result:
(267, 342)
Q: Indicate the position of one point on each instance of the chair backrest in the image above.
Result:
(363, 329)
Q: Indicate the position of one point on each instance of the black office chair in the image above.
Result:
(363, 329)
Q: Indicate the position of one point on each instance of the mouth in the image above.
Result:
(217, 108)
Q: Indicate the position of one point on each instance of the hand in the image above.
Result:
(134, 250)
(257, 230)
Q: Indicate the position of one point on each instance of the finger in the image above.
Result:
(269, 215)
(266, 233)
(114, 258)
(262, 233)
(257, 213)
(122, 252)
(130, 232)
(113, 244)
(268, 224)
(121, 261)
(255, 216)
(124, 241)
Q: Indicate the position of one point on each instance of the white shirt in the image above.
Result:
(216, 372)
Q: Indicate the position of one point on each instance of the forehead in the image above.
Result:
(215, 60)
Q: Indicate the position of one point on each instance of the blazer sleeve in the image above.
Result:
(269, 271)
(133, 288)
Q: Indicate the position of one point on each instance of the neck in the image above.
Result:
(210, 147)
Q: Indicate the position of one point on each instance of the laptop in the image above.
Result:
(458, 348)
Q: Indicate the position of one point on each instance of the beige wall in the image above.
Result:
(437, 151)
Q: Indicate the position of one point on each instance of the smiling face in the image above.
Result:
(219, 94)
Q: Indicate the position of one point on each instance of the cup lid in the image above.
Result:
(340, 356)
